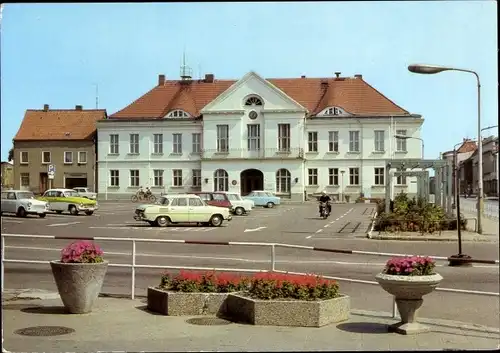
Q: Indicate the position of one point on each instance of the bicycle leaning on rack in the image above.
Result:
(142, 195)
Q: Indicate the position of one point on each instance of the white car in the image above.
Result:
(84, 192)
(23, 203)
(182, 208)
(240, 205)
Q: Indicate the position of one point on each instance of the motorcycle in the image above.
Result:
(324, 211)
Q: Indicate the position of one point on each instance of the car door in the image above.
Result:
(9, 203)
(48, 196)
(198, 213)
(179, 210)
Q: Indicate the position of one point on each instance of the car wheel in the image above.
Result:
(163, 221)
(270, 205)
(42, 215)
(89, 213)
(239, 211)
(72, 209)
(58, 212)
(216, 220)
(21, 212)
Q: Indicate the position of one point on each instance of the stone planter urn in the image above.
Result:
(79, 284)
(408, 291)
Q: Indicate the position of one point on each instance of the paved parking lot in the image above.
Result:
(292, 224)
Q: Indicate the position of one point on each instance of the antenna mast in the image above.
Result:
(186, 71)
(96, 96)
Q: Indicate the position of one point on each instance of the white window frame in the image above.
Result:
(135, 178)
(157, 143)
(114, 178)
(333, 141)
(177, 143)
(253, 137)
(221, 180)
(354, 141)
(178, 113)
(333, 176)
(223, 138)
(283, 181)
(21, 160)
(177, 177)
(400, 179)
(196, 178)
(379, 176)
(114, 144)
(70, 159)
(196, 143)
(24, 175)
(284, 137)
(134, 143)
(312, 176)
(158, 177)
(379, 141)
(354, 176)
(80, 159)
(312, 141)
(43, 157)
(401, 145)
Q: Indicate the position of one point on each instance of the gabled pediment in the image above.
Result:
(253, 91)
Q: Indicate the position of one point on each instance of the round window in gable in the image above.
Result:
(253, 115)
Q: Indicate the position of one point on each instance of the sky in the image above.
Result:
(56, 54)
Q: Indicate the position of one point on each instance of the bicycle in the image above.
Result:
(142, 196)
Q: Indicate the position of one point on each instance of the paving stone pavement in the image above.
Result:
(125, 325)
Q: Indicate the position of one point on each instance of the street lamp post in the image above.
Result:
(404, 137)
(433, 69)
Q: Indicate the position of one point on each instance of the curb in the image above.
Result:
(379, 314)
(424, 238)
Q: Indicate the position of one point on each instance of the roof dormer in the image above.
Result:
(177, 113)
(253, 101)
(333, 111)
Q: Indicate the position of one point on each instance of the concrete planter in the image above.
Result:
(184, 304)
(288, 312)
(79, 284)
(408, 291)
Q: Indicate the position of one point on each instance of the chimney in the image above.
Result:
(78, 107)
(209, 78)
(45, 107)
(358, 76)
(161, 80)
(337, 74)
(324, 84)
(303, 76)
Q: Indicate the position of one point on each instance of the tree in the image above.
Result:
(11, 154)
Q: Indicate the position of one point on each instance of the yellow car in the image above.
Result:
(184, 208)
(61, 200)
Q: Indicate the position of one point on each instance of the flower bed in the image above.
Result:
(413, 215)
(194, 293)
(289, 300)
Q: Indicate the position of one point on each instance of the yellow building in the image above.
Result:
(7, 175)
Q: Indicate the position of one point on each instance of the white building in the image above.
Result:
(290, 136)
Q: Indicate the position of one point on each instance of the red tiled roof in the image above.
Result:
(354, 95)
(467, 146)
(55, 124)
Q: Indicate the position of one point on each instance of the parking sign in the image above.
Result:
(52, 169)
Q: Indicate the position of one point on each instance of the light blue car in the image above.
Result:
(263, 198)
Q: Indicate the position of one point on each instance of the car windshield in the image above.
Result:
(234, 197)
(25, 195)
(71, 194)
(163, 201)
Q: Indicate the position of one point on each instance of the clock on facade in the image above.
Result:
(253, 115)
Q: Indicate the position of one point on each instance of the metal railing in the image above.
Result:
(272, 268)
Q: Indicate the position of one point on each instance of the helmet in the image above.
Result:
(323, 192)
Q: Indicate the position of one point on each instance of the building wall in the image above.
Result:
(57, 148)
(7, 175)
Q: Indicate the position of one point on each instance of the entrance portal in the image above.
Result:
(251, 179)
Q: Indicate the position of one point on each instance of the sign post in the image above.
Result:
(51, 171)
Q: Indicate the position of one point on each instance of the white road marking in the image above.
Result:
(319, 230)
(254, 230)
(62, 224)
(9, 221)
(346, 263)
(175, 229)
(327, 225)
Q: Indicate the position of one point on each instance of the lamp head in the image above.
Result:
(427, 69)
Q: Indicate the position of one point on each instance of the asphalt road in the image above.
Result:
(292, 224)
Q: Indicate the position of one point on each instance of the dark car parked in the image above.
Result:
(218, 199)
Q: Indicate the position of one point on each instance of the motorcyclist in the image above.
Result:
(326, 199)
